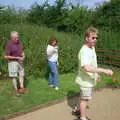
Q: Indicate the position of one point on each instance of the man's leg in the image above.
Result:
(85, 94)
(12, 68)
(14, 82)
(83, 104)
(21, 78)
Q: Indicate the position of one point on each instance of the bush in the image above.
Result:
(34, 40)
(107, 15)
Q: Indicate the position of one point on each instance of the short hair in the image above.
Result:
(90, 30)
(13, 32)
(51, 40)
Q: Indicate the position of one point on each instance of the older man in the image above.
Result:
(88, 70)
(15, 55)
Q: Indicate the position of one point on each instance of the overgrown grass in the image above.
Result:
(108, 39)
(41, 93)
(35, 39)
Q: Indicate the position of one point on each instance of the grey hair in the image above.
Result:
(13, 32)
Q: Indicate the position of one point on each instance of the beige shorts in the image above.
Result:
(15, 69)
(86, 93)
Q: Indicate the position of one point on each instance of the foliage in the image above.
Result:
(107, 15)
(60, 16)
(39, 93)
(79, 19)
(64, 17)
(73, 19)
(35, 40)
(10, 15)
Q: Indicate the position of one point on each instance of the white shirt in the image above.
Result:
(52, 53)
(86, 56)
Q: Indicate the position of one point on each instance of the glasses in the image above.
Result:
(94, 38)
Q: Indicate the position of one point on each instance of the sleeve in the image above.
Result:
(84, 58)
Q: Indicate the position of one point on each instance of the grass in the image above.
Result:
(39, 93)
(113, 81)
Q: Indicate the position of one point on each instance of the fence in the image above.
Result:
(108, 57)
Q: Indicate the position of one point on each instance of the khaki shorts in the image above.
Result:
(15, 69)
(86, 93)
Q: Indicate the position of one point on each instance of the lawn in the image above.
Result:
(39, 93)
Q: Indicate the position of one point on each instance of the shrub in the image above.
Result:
(34, 40)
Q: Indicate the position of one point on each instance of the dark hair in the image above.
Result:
(51, 40)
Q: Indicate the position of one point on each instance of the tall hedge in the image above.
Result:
(35, 40)
(107, 15)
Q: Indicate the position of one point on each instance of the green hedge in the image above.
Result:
(34, 40)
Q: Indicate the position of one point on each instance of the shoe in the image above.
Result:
(16, 92)
(56, 88)
(76, 111)
(22, 90)
(51, 85)
(81, 119)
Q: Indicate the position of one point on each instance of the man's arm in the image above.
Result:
(11, 57)
(89, 68)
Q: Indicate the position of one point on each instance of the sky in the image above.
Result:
(27, 3)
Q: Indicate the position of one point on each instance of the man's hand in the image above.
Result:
(108, 72)
(20, 58)
(98, 79)
(23, 55)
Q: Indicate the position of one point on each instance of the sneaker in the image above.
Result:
(51, 85)
(82, 119)
(17, 93)
(22, 90)
(56, 88)
(76, 111)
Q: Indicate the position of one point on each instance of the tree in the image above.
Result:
(108, 15)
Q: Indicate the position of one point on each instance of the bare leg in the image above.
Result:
(14, 82)
(83, 104)
(21, 80)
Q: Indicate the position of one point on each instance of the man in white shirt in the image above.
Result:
(88, 70)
